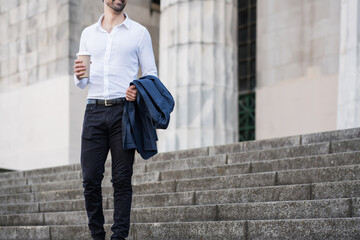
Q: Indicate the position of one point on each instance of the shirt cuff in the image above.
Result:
(82, 83)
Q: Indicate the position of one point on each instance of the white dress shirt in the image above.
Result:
(115, 58)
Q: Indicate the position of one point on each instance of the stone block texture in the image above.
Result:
(298, 64)
(38, 44)
(198, 63)
(348, 114)
(284, 188)
(35, 29)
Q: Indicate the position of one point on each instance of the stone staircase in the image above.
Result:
(299, 187)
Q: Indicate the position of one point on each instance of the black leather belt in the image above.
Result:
(106, 102)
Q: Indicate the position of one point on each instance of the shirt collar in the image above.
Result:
(126, 22)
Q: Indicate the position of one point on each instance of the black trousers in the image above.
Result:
(102, 131)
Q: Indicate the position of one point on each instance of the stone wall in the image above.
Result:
(34, 42)
(297, 66)
(34, 83)
(41, 111)
(349, 73)
(198, 63)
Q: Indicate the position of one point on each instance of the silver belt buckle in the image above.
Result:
(107, 104)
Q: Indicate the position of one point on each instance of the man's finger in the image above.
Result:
(80, 66)
(130, 96)
(80, 69)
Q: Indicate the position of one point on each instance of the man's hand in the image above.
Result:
(131, 93)
(79, 68)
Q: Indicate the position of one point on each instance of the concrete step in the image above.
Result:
(52, 182)
(60, 185)
(142, 171)
(27, 233)
(315, 175)
(228, 148)
(346, 189)
(17, 198)
(337, 135)
(289, 177)
(14, 190)
(191, 153)
(322, 137)
(19, 208)
(279, 153)
(35, 182)
(345, 146)
(13, 182)
(325, 208)
(251, 194)
(298, 187)
(287, 229)
(318, 161)
(298, 229)
(247, 211)
(186, 163)
(52, 174)
(297, 192)
(37, 172)
(139, 170)
(248, 149)
(153, 200)
(256, 145)
(326, 174)
(12, 175)
(327, 190)
(341, 189)
(297, 151)
(60, 177)
(306, 139)
(63, 176)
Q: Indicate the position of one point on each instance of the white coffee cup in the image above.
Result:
(85, 57)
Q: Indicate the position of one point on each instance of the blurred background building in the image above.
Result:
(238, 69)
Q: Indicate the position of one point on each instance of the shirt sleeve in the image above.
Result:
(146, 55)
(82, 83)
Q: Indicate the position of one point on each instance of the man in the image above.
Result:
(118, 45)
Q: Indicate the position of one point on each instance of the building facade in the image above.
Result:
(238, 70)
(297, 67)
(41, 111)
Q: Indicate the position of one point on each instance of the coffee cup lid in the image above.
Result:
(83, 53)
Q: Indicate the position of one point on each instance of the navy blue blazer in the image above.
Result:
(149, 112)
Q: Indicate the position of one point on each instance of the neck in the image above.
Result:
(112, 18)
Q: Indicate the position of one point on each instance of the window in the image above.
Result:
(247, 68)
(247, 117)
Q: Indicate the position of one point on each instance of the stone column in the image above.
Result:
(348, 115)
(198, 64)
